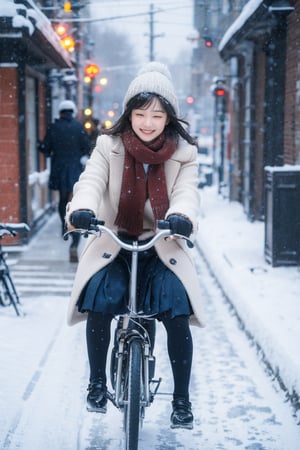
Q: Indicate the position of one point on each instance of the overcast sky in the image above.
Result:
(173, 18)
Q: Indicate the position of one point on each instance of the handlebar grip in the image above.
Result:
(95, 221)
(163, 224)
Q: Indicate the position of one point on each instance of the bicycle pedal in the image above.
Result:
(156, 384)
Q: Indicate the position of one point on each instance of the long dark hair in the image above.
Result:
(174, 127)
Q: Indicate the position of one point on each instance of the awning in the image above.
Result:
(257, 18)
(25, 24)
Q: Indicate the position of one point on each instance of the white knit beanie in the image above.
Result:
(67, 105)
(154, 78)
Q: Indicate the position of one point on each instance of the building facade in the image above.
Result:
(29, 50)
(261, 53)
(257, 124)
(36, 73)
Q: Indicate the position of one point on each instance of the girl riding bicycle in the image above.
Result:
(142, 169)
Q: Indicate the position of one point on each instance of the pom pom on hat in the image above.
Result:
(155, 66)
(154, 78)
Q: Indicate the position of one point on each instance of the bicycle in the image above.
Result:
(132, 364)
(8, 293)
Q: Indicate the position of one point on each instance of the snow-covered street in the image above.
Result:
(44, 374)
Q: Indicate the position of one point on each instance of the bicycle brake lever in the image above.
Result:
(189, 243)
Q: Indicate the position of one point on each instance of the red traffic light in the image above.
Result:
(219, 92)
(208, 42)
(91, 70)
(190, 100)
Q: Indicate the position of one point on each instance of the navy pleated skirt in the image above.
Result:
(159, 291)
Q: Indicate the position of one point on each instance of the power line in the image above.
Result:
(103, 19)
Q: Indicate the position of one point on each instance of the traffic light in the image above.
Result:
(91, 70)
(219, 91)
(208, 42)
(190, 100)
(67, 6)
(218, 87)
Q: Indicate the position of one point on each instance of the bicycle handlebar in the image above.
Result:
(98, 226)
(13, 229)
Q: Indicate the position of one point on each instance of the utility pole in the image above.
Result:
(152, 36)
(151, 53)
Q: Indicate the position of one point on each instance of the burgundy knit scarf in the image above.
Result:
(137, 186)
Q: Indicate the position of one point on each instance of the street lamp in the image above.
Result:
(66, 39)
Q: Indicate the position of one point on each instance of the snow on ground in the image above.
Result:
(44, 371)
(44, 374)
(267, 299)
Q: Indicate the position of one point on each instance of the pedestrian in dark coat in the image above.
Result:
(68, 146)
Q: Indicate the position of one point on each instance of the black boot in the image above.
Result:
(96, 399)
(182, 416)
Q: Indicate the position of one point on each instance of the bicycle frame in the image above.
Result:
(135, 331)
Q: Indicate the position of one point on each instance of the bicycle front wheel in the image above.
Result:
(132, 404)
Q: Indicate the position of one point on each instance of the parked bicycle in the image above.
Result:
(8, 293)
(132, 363)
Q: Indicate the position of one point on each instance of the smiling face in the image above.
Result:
(149, 122)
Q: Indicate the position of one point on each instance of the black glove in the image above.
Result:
(82, 218)
(180, 225)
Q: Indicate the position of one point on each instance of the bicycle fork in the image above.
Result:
(126, 335)
(124, 347)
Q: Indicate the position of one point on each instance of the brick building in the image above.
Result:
(29, 51)
(261, 50)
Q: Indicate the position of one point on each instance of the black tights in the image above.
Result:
(180, 349)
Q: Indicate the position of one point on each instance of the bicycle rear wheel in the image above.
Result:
(132, 404)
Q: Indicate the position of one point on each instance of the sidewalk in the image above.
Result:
(48, 245)
(266, 299)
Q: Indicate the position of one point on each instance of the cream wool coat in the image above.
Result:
(98, 190)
